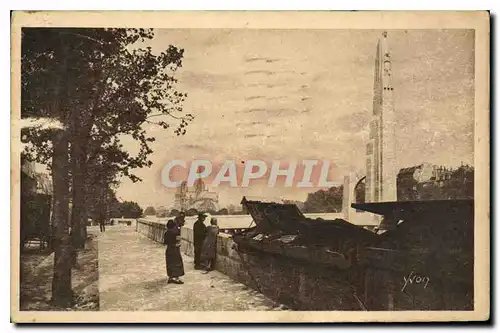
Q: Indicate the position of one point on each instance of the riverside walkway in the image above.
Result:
(132, 277)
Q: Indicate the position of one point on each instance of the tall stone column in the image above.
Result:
(380, 150)
(388, 130)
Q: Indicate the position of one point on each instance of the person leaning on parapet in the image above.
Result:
(173, 258)
(199, 233)
(180, 219)
(210, 246)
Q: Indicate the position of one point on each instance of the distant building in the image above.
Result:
(36, 204)
(35, 182)
(198, 197)
(432, 182)
(234, 209)
(161, 211)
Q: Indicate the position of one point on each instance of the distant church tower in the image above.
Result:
(380, 150)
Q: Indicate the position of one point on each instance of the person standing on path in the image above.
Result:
(102, 226)
(199, 232)
(173, 258)
(209, 248)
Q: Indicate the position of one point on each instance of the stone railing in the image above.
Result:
(299, 286)
(124, 221)
(151, 229)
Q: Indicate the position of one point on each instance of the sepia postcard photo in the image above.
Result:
(251, 167)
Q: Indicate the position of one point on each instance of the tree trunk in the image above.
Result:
(78, 213)
(61, 282)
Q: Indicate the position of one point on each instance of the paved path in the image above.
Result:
(132, 276)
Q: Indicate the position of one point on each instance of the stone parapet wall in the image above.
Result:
(150, 229)
(297, 285)
(304, 286)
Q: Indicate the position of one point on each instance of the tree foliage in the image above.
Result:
(149, 211)
(127, 209)
(108, 87)
(192, 212)
(222, 211)
(173, 212)
(100, 85)
(324, 201)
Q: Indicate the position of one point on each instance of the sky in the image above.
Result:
(307, 94)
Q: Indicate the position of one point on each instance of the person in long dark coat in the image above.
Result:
(102, 220)
(199, 232)
(173, 258)
(209, 248)
(102, 226)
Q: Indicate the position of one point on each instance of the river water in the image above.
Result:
(240, 221)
